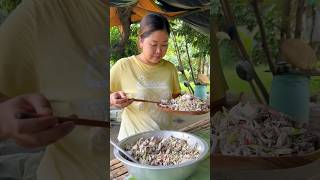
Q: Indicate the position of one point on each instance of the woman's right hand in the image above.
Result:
(119, 99)
(40, 129)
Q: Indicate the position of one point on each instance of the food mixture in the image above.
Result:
(165, 151)
(256, 130)
(186, 102)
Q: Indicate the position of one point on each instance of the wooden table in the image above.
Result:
(119, 171)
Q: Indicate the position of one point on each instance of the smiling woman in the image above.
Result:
(145, 76)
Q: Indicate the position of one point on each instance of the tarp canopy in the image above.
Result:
(196, 13)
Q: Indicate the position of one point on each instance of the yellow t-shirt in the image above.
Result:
(143, 81)
(57, 48)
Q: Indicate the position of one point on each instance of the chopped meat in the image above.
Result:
(186, 102)
(256, 130)
(165, 151)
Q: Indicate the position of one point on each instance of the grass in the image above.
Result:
(237, 85)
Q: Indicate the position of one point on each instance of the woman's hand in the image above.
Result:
(119, 99)
(39, 130)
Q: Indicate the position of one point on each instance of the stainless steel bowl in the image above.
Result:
(174, 172)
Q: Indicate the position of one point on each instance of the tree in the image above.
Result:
(194, 45)
(131, 46)
(6, 6)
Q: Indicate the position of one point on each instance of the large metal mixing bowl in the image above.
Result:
(174, 172)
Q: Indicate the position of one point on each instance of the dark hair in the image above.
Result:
(153, 22)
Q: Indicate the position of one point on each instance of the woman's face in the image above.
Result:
(154, 47)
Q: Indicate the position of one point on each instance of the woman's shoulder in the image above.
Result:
(168, 64)
(124, 61)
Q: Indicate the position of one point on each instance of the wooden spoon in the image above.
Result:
(123, 151)
(142, 100)
(77, 121)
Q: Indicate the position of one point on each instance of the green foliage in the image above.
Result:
(131, 46)
(198, 46)
(247, 26)
(8, 5)
(199, 42)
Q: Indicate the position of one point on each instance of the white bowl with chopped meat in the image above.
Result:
(163, 154)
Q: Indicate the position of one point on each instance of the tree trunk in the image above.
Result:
(285, 22)
(204, 62)
(263, 36)
(199, 69)
(180, 68)
(176, 48)
(313, 10)
(230, 19)
(189, 62)
(124, 14)
(299, 15)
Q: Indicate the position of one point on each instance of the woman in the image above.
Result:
(145, 76)
(53, 48)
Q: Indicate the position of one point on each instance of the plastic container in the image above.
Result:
(290, 94)
(200, 91)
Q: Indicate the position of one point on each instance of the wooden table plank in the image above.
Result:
(116, 166)
(119, 171)
(114, 161)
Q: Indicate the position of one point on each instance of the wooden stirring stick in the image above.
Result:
(77, 121)
(142, 100)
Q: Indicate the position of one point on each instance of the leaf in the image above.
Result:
(131, 177)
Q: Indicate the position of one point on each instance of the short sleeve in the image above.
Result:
(175, 81)
(17, 69)
(115, 81)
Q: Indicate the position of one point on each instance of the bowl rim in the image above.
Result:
(168, 110)
(187, 163)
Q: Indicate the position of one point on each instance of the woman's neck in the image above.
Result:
(141, 58)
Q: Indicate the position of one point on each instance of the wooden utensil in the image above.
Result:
(142, 100)
(77, 121)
